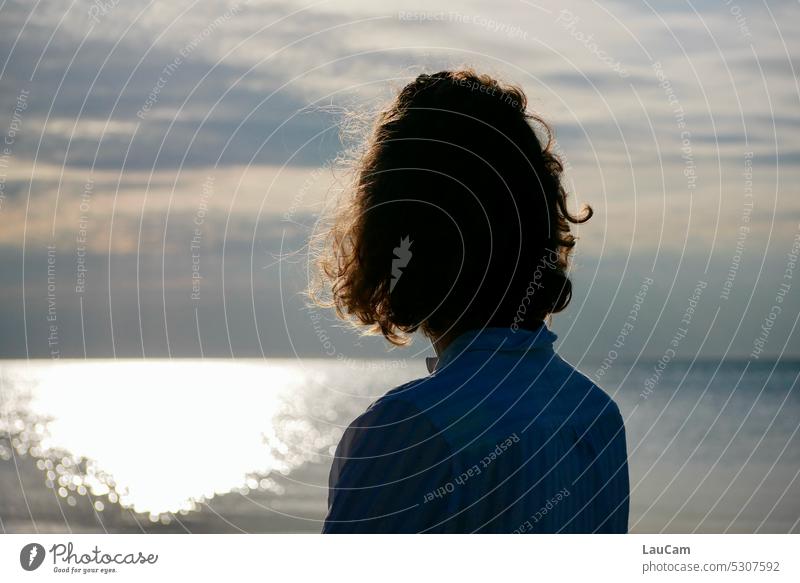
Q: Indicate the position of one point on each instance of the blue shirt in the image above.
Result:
(504, 436)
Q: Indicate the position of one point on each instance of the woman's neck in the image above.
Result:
(440, 343)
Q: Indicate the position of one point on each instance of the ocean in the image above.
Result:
(245, 445)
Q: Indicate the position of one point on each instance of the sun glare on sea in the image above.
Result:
(168, 432)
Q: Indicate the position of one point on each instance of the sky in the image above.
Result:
(164, 165)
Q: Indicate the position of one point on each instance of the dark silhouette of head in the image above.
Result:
(457, 219)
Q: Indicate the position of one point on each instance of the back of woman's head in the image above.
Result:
(458, 219)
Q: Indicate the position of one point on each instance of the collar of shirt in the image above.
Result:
(494, 340)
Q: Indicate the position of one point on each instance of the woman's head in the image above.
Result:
(457, 219)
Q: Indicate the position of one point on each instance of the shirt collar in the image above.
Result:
(495, 340)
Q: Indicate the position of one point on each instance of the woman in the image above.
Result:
(458, 227)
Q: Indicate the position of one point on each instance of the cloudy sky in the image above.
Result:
(149, 142)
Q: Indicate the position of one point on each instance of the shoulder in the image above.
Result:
(393, 443)
(394, 423)
(580, 393)
(387, 460)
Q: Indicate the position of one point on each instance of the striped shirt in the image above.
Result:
(504, 436)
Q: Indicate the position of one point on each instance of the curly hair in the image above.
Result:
(457, 218)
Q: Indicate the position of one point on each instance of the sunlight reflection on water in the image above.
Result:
(159, 436)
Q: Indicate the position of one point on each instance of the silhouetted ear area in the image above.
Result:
(421, 283)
